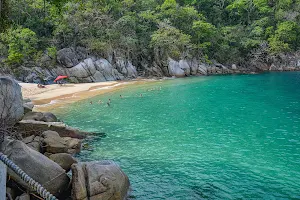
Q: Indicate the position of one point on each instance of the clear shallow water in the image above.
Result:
(220, 137)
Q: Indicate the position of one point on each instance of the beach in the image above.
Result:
(56, 95)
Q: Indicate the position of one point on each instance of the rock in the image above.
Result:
(32, 127)
(28, 106)
(107, 70)
(194, 67)
(183, 64)
(67, 57)
(103, 180)
(49, 117)
(73, 145)
(233, 67)
(202, 69)
(23, 197)
(11, 192)
(36, 165)
(174, 69)
(126, 68)
(36, 116)
(11, 101)
(64, 160)
(34, 142)
(54, 143)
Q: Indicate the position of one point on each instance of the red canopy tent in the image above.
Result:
(60, 78)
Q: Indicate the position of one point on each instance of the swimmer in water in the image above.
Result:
(100, 102)
(121, 96)
(109, 101)
(141, 95)
(91, 102)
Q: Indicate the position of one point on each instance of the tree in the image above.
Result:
(21, 42)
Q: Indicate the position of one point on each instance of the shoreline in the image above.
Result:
(53, 96)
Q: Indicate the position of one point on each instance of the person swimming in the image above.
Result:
(109, 100)
(121, 96)
(100, 102)
(91, 102)
(141, 95)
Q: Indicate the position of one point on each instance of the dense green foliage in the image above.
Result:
(225, 30)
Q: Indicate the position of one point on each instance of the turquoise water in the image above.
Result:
(220, 137)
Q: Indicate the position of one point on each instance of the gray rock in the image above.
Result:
(54, 143)
(174, 68)
(67, 57)
(36, 116)
(234, 67)
(73, 145)
(11, 101)
(183, 64)
(194, 67)
(126, 68)
(32, 127)
(107, 70)
(202, 69)
(36, 165)
(64, 160)
(102, 180)
(28, 106)
(34, 142)
(49, 117)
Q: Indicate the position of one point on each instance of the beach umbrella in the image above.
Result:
(60, 78)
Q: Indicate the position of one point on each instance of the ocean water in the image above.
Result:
(218, 137)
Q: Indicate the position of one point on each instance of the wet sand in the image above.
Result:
(53, 96)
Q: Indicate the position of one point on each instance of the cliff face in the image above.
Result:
(81, 67)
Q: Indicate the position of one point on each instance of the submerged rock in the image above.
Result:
(103, 180)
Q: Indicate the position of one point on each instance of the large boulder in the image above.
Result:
(183, 64)
(36, 165)
(174, 68)
(11, 101)
(103, 180)
(64, 160)
(107, 70)
(68, 57)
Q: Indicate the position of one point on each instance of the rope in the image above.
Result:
(32, 183)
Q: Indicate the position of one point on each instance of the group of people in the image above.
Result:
(121, 97)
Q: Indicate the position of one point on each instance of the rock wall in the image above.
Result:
(80, 66)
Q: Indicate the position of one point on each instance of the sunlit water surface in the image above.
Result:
(220, 137)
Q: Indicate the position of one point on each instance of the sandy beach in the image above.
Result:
(55, 95)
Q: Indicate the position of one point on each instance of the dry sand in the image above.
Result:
(55, 95)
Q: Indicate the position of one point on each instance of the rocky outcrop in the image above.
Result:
(103, 180)
(32, 127)
(34, 142)
(11, 101)
(37, 166)
(174, 69)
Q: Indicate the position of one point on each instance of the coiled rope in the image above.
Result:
(32, 183)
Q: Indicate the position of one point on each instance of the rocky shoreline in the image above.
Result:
(82, 67)
(43, 147)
